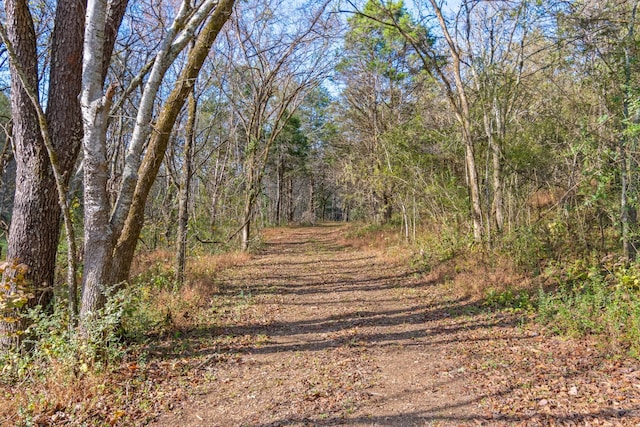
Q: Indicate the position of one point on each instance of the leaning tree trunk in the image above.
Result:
(128, 238)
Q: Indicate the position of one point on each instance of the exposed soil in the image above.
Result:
(330, 334)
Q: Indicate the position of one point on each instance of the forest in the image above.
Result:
(150, 149)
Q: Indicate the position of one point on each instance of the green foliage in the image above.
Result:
(158, 277)
(292, 139)
(373, 46)
(53, 343)
(511, 300)
(384, 145)
(596, 299)
(366, 230)
(5, 110)
(292, 148)
(436, 248)
(15, 293)
(527, 247)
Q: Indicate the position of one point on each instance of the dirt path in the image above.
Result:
(333, 335)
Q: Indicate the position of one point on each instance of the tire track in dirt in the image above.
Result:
(344, 336)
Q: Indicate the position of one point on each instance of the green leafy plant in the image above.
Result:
(15, 293)
(596, 300)
(509, 299)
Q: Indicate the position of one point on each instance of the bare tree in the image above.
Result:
(497, 38)
(185, 185)
(273, 64)
(110, 241)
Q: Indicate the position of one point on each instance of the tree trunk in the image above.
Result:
(312, 201)
(279, 190)
(388, 208)
(246, 224)
(496, 151)
(405, 221)
(126, 244)
(34, 231)
(183, 200)
(460, 103)
(498, 194)
(174, 41)
(290, 210)
(474, 189)
(98, 234)
(218, 177)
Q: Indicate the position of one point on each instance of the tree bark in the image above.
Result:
(498, 193)
(126, 244)
(218, 177)
(474, 189)
(496, 165)
(247, 212)
(172, 44)
(183, 199)
(279, 190)
(31, 249)
(290, 206)
(34, 231)
(95, 111)
(312, 201)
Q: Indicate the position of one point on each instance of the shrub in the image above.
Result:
(52, 341)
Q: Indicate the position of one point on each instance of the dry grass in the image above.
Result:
(147, 261)
(383, 238)
(200, 290)
(470, 271)
(474, 277)
(163, 260)
(202, 270)
(60, 391)
(66, 396)
(388, 243)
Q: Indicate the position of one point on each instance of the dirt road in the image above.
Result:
(335, 335)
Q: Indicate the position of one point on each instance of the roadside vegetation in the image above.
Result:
(574, 297)
(492, 149)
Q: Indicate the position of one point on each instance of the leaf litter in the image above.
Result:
(346, 335)
(314, 331)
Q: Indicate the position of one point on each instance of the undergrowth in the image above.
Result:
(596, 299)
(97, 379)
(101, 377)
(578, 296)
